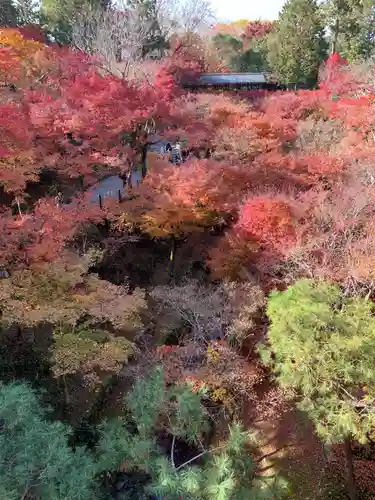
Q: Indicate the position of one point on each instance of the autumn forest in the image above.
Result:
(206, 332)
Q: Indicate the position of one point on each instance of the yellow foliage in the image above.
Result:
(90, 352)
(241, 23)
(11, 38)
(221, 395)
(236, 28)
(212, 354)
(21, 58)
(62, 293)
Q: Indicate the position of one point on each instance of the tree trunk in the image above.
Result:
(144, 160)
(19, 333)
(108, 385)
(66, 399)
(66, 391)
(350, 472)
(19, 207)
(172, 256)
(335, 35)
(129, 179)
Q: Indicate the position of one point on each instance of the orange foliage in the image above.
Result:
(236, 28)
(269, 222)
(267, 161)
(160, 210)
(217, 190)
(257, 149)
(20, 45)
(19, 56)
(68, 119)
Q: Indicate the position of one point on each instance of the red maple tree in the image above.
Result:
(258, 29)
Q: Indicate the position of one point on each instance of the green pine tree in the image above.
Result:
(229, 49)
(35, 459)
(297, 47)
(321, 346)
(8, 13)
(224, 473)
(351, 25)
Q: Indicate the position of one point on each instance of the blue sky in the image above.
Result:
(231, 10)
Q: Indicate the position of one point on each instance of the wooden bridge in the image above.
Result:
(234, 82)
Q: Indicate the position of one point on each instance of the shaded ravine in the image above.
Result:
(114, 187)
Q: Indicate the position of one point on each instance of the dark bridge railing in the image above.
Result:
(271, 87)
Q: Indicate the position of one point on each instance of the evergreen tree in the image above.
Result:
(297, 47)
(321, 346)
(8, 13)
(18, 12)
(351, 25)
(229, 49)
(223, 473)
(35, 459)
(253, 60)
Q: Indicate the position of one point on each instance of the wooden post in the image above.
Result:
(349, 467)
(335, 36)
(172, 256)
(144, 160)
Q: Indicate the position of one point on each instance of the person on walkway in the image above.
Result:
(176, 152)
(166, 149)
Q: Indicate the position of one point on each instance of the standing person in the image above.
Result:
(168, 149)
(176, 152)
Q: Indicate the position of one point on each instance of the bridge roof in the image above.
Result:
(230, 78)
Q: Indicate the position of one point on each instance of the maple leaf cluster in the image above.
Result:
(255, 172)
(271, 161)
(40, 236)
(258, 29)
(60, 114)
(190, 56)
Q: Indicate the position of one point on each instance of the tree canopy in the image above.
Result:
(297, 47)
(321, 342)
(36, 459)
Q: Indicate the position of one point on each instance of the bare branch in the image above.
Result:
(172, 452)
(115, 36)
(200, 455)
(186, 16)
